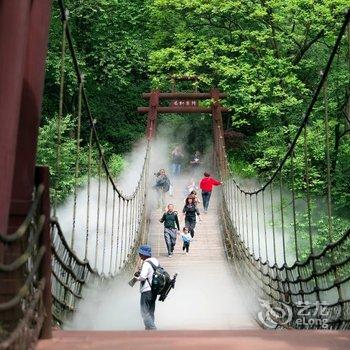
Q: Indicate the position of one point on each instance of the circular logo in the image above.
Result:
(274, 314)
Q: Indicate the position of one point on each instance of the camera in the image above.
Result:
(134, 279)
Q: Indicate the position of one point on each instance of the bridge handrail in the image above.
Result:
(29, 265)
(21, 337)
(21, 260)
(20, 232)
(253, 228)
(55, 223)
(304, 122)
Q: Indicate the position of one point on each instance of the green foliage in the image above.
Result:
(240, 167)
(116, 164)
(62, 180)
(111, 40)
(192, 132)
(266, 55)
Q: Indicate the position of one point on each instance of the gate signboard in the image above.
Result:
(184, 103)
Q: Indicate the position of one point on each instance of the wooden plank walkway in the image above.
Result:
(206, 295)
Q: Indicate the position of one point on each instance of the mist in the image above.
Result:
(106, 249)
(195, 303)
(258, 221)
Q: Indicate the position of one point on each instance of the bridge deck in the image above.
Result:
(206, 294)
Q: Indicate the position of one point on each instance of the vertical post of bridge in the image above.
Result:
(218, 129)
(14, 23)
(14, 26)
(152, 114)
(28, 85)
(42, 176)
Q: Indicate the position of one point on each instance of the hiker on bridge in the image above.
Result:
(193, 194)
(176, 161)
(171, 228)
(206, 185)
(145, 276)
(186, 238)
(191, 186)
(195, 163)
(190, 211)
(162, 186)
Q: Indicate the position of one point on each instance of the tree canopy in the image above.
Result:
(265, 54)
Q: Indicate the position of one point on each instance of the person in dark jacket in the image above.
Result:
(171, 228)
(162, 186)
(206, 185)
(190, 211)
(177, 157)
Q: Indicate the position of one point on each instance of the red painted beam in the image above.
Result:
(32, 91)
(184, 95)
(42, 176)
(152, 114)
(14, 24)
(180, 109)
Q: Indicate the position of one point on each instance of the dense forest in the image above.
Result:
(265, 54)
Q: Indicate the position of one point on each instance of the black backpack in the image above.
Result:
(160, 280)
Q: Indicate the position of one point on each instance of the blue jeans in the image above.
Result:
(176, 169)
(148, 305)
(206, 199)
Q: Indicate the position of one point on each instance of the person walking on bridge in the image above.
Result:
(190, 211)
(206, 185)
(195, 163)
(162, 186)
(177, 157)
(171, 228)
(145, 276)
(186, 238)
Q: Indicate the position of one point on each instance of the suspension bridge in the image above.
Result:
(259, 239)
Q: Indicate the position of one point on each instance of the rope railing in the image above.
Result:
(69, 275)
(283, 236)
(28, 301)
(97, 238)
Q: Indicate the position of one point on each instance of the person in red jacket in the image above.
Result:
(206, 185)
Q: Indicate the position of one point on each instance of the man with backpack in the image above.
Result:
(154, 281)
(171, 228)
(145, 276)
